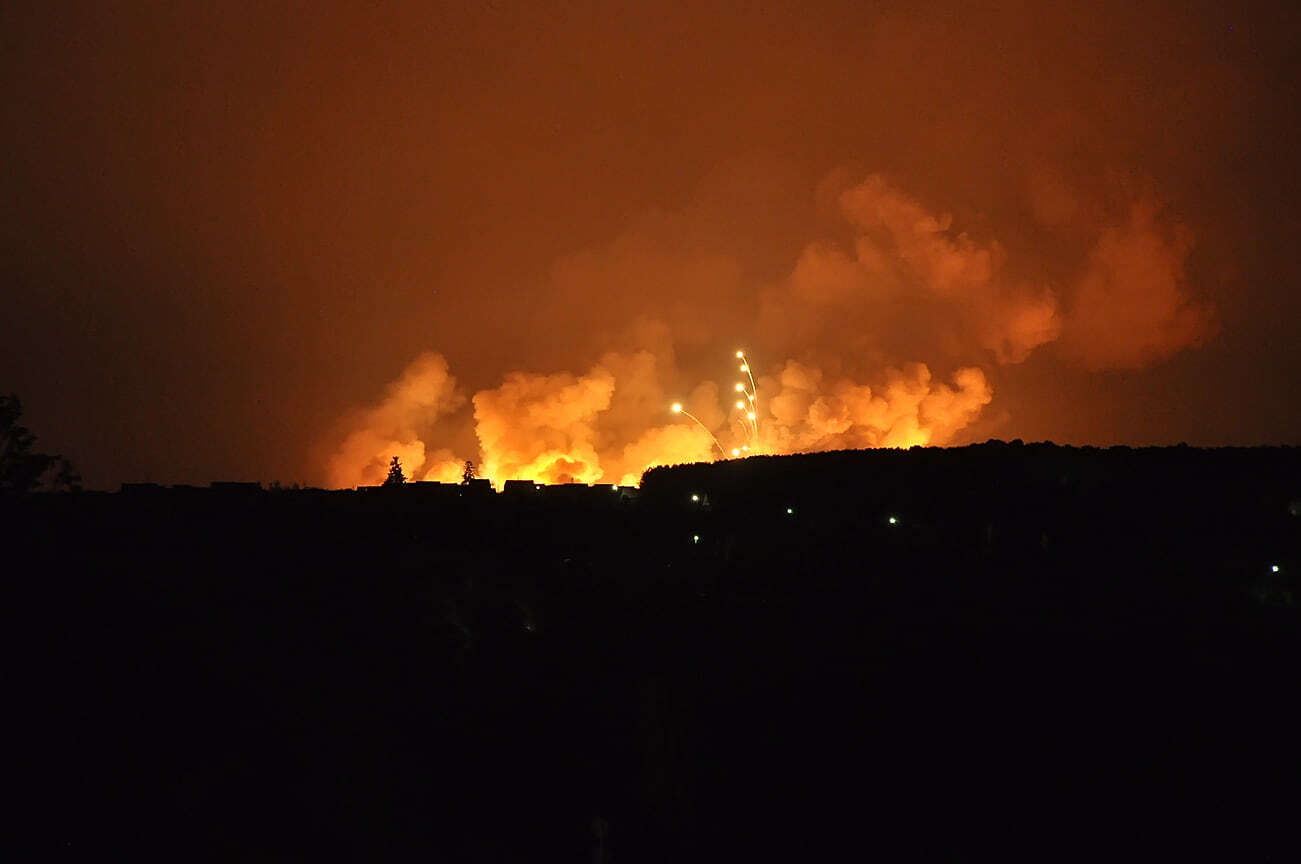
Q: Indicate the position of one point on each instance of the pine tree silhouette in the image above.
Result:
(395, 475)
(469, 473)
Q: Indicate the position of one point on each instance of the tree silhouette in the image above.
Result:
(22, 469)
(469, 473)
(395, 475)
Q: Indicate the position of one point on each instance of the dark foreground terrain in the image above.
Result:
(1001, 650)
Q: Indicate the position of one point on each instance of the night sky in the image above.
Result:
(284, 241)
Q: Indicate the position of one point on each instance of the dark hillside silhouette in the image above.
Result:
(1007, 649)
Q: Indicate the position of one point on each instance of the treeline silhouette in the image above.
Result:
(1022, 650)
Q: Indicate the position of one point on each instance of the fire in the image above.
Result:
(564, 428)
(839, 335)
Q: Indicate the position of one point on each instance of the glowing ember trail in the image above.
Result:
(678, 409)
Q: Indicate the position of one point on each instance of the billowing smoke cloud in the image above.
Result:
(1132, 305)
(810, 413)
(214, 224)
(425, 391)
(610, 425)
(883, 336)
(543, 427)
(598, 426)
(926, 256)
(907, 265)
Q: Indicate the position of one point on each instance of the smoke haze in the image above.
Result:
(842, 306)
(260, 241)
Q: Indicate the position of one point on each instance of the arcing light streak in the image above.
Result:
(752, 394)
(678, 409)
(748, 407)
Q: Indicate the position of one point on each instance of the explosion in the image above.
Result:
(549, 429)
(848, 321)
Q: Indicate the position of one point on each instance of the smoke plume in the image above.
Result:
(1131, 304)
(883, 333)
(397, 426)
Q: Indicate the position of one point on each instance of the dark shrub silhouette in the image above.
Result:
(22, 468)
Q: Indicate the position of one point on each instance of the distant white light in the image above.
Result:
(676, 408)
(789, 511)
(893, 521)
(740, 354)
(739, 387)
(740, 404)
(745, 367)
(745, 447)
(695, 497)
(695, 538)
(615, 488)
(1273, 569)
(736, 451)
(750, 415)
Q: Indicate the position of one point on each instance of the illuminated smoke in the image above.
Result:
(543, 427)
(908, 408)
(425, 391)
(904, 254)
(1132, 304)
(885, 337)
(608, 427)
(601, 426)
(662, 445)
